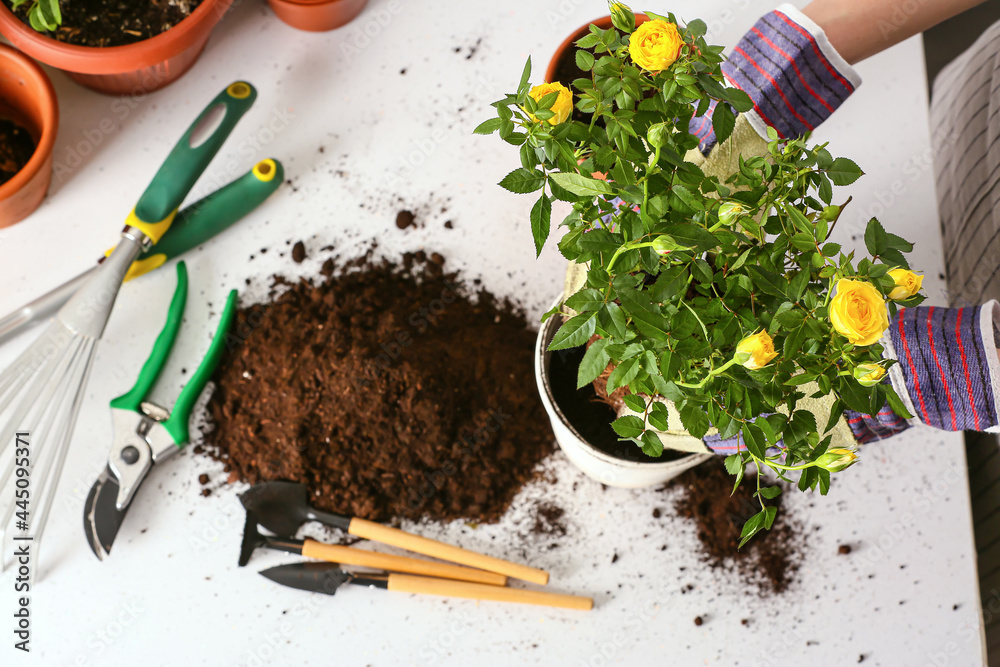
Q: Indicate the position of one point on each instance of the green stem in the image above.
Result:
(645, 185)
(712, 373)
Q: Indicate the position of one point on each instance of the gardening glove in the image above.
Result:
(948, 375)
(793, 75)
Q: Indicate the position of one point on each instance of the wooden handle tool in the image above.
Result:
(377, 532)
(349, 556)
(405, 583)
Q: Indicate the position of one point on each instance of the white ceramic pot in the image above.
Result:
(595, 463)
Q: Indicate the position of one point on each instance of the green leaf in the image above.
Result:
(770, 492)
(594, 361)
(753, 438)
(723, 121)
(522, 86)
(844, 171)
(635, 403)
(753, 526)
(876, 240)
(628, 427)
(766, 281)
(696, 27)
(580, 185)
(695, 420)
(584, 60)
(734, 464)
(612, 320)
(541, 216)
(576, 331)
(895, 403)
(855, 396)
(651, 444)
(586, 299)
(523, 181)
(623, 373)
(659, 417)
(692, 236)
(488, 126)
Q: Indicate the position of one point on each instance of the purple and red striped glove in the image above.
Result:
(948, 374)
(792, 73)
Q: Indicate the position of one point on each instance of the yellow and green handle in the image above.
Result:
(158, 205)
(216, 212)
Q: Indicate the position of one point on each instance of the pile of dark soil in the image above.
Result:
(113, 22)
(392, 391)
(770, 560)
(16, 148)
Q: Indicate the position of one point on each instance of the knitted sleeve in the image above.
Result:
(792, 73)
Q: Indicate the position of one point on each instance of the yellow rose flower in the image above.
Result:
(858, 312)
(907, 284)
(562, 107)
(756, 351)
(655, 45)
(869, 375)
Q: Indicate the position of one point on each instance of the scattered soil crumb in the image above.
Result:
(405, 219)
(298, 252)
(770, 560)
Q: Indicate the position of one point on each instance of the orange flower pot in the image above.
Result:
(317, 15)
(28, 99)
(132, 69)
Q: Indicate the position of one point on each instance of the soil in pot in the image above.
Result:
(588, 414)
(102, 23)
(16, 148)
(769, 561)
(393, 390)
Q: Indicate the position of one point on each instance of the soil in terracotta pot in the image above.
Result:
(769, 561)
(16, 148)
(392, 390)
(588, 414)
(113, 22)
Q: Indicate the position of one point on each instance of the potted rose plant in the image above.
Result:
(712, 305)
(123, 52)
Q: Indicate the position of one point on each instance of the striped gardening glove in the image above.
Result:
(792, 73)
(948, 374)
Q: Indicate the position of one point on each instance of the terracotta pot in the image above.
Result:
(317, 15)
(28, 99)
(133, 69)
(604, 22)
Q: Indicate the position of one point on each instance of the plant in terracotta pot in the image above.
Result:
(705, 305)
(29, 119)
(132, 47)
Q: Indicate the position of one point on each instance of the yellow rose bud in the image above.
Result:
(907, 284)
(655, 45)
(858, 312)
(869, 375)
(622, 16)
(729, 212)
(562, 107)
(836, 460)
(756, 351)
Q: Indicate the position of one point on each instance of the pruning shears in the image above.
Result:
(146, 434)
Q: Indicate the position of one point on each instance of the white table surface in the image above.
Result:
(171, 593)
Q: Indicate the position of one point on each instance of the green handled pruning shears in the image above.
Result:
(146, 434)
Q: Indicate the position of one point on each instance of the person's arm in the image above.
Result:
(858, 29)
